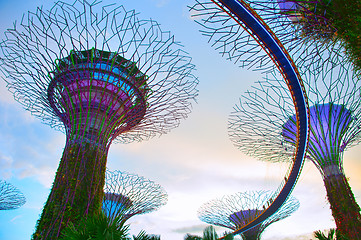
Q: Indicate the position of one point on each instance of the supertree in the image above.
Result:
(100, 74)
(236, 210)
(10, 196)
(263, 125)
(127, 195)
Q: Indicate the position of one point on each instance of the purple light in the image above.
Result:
(328, 124)
(98, 93)
(291, 9)
(287, 5)
(243, 217)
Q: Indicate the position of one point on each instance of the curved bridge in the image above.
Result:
(241, 12)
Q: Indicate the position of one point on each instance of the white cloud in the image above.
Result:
(15, 219)
(306, 236)
(29, 153)
(44, 174)
(160, 3)
(5, 167)
(5, 95)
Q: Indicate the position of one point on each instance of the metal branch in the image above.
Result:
(128, 194)
(234, 211)
(10, 196)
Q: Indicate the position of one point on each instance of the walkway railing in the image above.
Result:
(241, 12)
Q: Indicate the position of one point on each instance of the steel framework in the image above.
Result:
(101, 75)
(234, 22)
(128, 194)
(10, 196)
(303, 27)
(263, 125)
(236, 210)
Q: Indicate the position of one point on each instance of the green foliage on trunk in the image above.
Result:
(344, 207)
(335, 20)
(77, 190)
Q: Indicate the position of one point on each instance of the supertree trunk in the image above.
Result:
(253, 233)
(345, 210)
(80, 177)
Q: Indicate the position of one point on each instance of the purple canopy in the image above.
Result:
(328, 124)
(98, 92)
(243, 217)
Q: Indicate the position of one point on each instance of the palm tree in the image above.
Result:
(101, 227)
(97, 226)
(144, 236)
(209, 233)
(333, 234)
(192, 237)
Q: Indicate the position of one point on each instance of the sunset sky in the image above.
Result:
(194, 163)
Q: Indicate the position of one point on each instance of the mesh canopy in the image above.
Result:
(10, 196)
(128, 194)
(328, 123)
(92, 41)
(235, 210)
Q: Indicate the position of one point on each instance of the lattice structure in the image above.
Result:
(314, 19)
(237, 24)
(234, 211)
(309, 30)
(263, 126)
(10, 196)
(128, 194)
(101, 75)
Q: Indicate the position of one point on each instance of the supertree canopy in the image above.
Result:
(128, 194)
(327, 21)
(10, 196)
(315, 33)
(236, 210)
(101, 75)
(315, 18)
(263, 125)
(329, 123)
(97, 95)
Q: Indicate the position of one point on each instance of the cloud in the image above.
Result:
(306, 236)
(27, 147)
(160, 3)
(14, 219)
(5, 95)
(5, 167)
(11, 107)
(44, 174)
(191, 229)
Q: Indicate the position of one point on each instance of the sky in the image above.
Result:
(194, 163)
